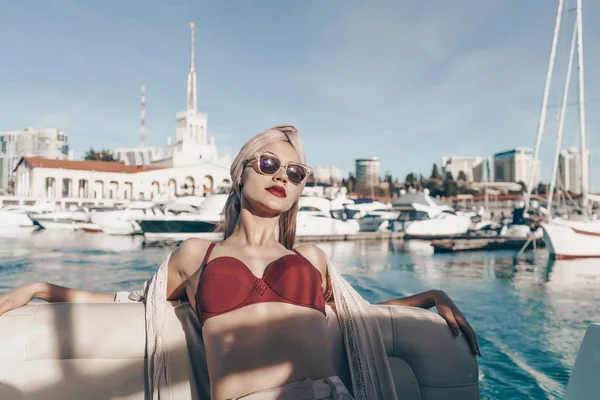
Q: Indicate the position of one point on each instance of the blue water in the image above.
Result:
(530, 315)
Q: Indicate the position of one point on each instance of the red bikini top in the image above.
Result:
(227, 284)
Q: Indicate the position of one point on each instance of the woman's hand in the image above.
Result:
(455, 319)
(18, 297)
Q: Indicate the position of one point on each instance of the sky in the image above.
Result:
(405, 81)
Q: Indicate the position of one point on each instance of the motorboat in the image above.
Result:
(73, 219)
(421, 217)
(315, 218)
(180, 225)
(122, 221)
(96, 351)
(15, 219)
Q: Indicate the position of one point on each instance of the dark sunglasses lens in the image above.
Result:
(268, 164)
(296, 173)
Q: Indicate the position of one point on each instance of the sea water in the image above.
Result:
(530, 313)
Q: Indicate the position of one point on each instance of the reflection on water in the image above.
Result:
(530, 314)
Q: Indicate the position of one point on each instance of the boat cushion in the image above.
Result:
(96, 351)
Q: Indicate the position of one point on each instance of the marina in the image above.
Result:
(530, 314)
(506, 234)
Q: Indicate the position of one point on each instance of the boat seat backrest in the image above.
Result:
(96, 351)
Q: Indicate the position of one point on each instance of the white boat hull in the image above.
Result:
(14, 220)
(315, 225)
(444, 225)
(572, 239)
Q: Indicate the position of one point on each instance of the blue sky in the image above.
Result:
(407, 81)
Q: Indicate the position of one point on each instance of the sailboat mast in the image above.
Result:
(561, 121)
(585, 179)
(542, 121)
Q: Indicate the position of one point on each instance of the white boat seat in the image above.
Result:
(96, 351)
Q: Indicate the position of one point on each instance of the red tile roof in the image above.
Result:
(100, 166)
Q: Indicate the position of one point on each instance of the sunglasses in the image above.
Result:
(269, 164)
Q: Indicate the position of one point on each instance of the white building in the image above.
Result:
(98, 181)
(138, 155)
(327, 174)
(457, 164)
(570, 170)
(48, 143)
(191, 167)
(368, 171)
(515, 166)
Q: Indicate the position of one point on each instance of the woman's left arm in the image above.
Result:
(447, 310)
(432, 298)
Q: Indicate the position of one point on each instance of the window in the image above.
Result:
(308, 208)
(66, 187)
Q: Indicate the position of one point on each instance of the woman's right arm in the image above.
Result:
(50, 293)
(184, 262)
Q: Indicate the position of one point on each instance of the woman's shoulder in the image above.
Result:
(189, 255)
(313, 254)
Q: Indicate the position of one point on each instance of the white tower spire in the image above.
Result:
(191, 88)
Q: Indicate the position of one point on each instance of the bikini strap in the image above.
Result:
(208, 251)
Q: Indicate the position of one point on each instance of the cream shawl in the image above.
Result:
(367, 359)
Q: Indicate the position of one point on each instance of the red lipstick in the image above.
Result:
(277, 191)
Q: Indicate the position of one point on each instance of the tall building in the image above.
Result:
(457, 164)
(137, 155)
(191, 142)
(367, 171)
(570, 170)
(515, 166)
(30, 142)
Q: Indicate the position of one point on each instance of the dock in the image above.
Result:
(483, 243)
(354, 236)
(175, 241)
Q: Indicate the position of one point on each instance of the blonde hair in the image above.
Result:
(232, 209)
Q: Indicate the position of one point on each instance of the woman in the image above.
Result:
(260, 301)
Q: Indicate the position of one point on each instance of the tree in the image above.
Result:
(450, 186)
(434, 187)
(102, 155)
(410, 181)
(350, 183)
(462, 176)
(435, 174)
(390, 185)
(543, 189)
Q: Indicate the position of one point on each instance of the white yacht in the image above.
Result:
(123, 221)
(316, 217)
(372, 216)
(15, 219)
(422, 218)
(72, 219)
(570, 239)
(180, 225)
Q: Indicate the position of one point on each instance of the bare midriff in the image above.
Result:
(265, 345)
